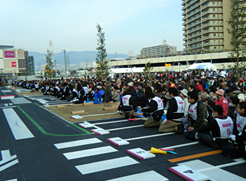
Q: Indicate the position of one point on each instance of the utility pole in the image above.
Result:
(65, 61)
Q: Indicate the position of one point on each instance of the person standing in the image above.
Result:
(118, 81)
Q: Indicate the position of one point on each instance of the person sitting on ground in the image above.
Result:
(239, 130)
(241, 97)
(100, 93)
(221, 100)
(232, 112)
(116, 94)
(184, 96)
(197, 114)
(154, 110)
(217, 131)
(128, 104)
(175, 114)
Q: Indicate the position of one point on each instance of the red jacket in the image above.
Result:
(224, 103)
(199, 87)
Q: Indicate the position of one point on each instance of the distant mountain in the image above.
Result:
(78, 59)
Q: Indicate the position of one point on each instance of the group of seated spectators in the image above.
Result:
(203, 106)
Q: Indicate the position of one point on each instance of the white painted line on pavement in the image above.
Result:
(128, 127)
(8, 165)
(111, 122)
(149, 136)
(18, 128)
(145, 176)
(237, 162)
(106, 165)
(77, 143)
(89, 152)
(6, 157)
(181, 145)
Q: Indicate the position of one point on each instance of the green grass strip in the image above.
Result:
(50, 134)
(75, 125)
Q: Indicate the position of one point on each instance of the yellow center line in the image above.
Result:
(195, 156)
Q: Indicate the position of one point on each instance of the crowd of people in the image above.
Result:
(208, 106)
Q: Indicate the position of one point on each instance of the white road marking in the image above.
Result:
(18, 128)
(181, 145)
(77, 143)
(89, 152)
(149, 136)
(215, 172)
(8, 165)
(106, 165)
(6, 157)
(6, 91)
(20, 100)
(128, 127)
(145, 176)
(111, 122)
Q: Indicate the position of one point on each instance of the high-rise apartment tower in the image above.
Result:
(205, 25)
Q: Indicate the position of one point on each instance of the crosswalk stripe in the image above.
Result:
(77, 143)
(149, 136)
(89, 152)
(111, 122)
(20, 100)
(181, 145)
(145, 176)
(106, 165)
(128, 127)
(18, 128)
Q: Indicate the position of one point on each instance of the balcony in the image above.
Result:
(212, 37)
(194, 12)
(195, 41)
(193, 7)
(211, 24)
(190, 3)
(213, 43)
(194, 18)
(193, 24)
(212, 31)
(196, 46)
(211, 5)
(195, 35)
(193, 30)
(204, 1)
(211, 18)
(211, 11)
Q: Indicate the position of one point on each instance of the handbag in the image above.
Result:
(229, 149)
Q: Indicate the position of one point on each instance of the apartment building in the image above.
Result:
(205, 25)
(159, 50)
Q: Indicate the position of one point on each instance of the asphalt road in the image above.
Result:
(38, 145)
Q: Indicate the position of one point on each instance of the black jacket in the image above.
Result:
(152, 109)
(173, 107)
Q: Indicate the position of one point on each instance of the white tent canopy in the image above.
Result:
(203, 66)
(127, 70)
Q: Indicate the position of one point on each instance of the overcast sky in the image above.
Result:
(129, 25)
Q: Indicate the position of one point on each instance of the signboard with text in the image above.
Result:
(13, 64)
(9, 54)
(167, 65)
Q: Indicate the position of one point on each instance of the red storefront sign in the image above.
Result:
(13, 64)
